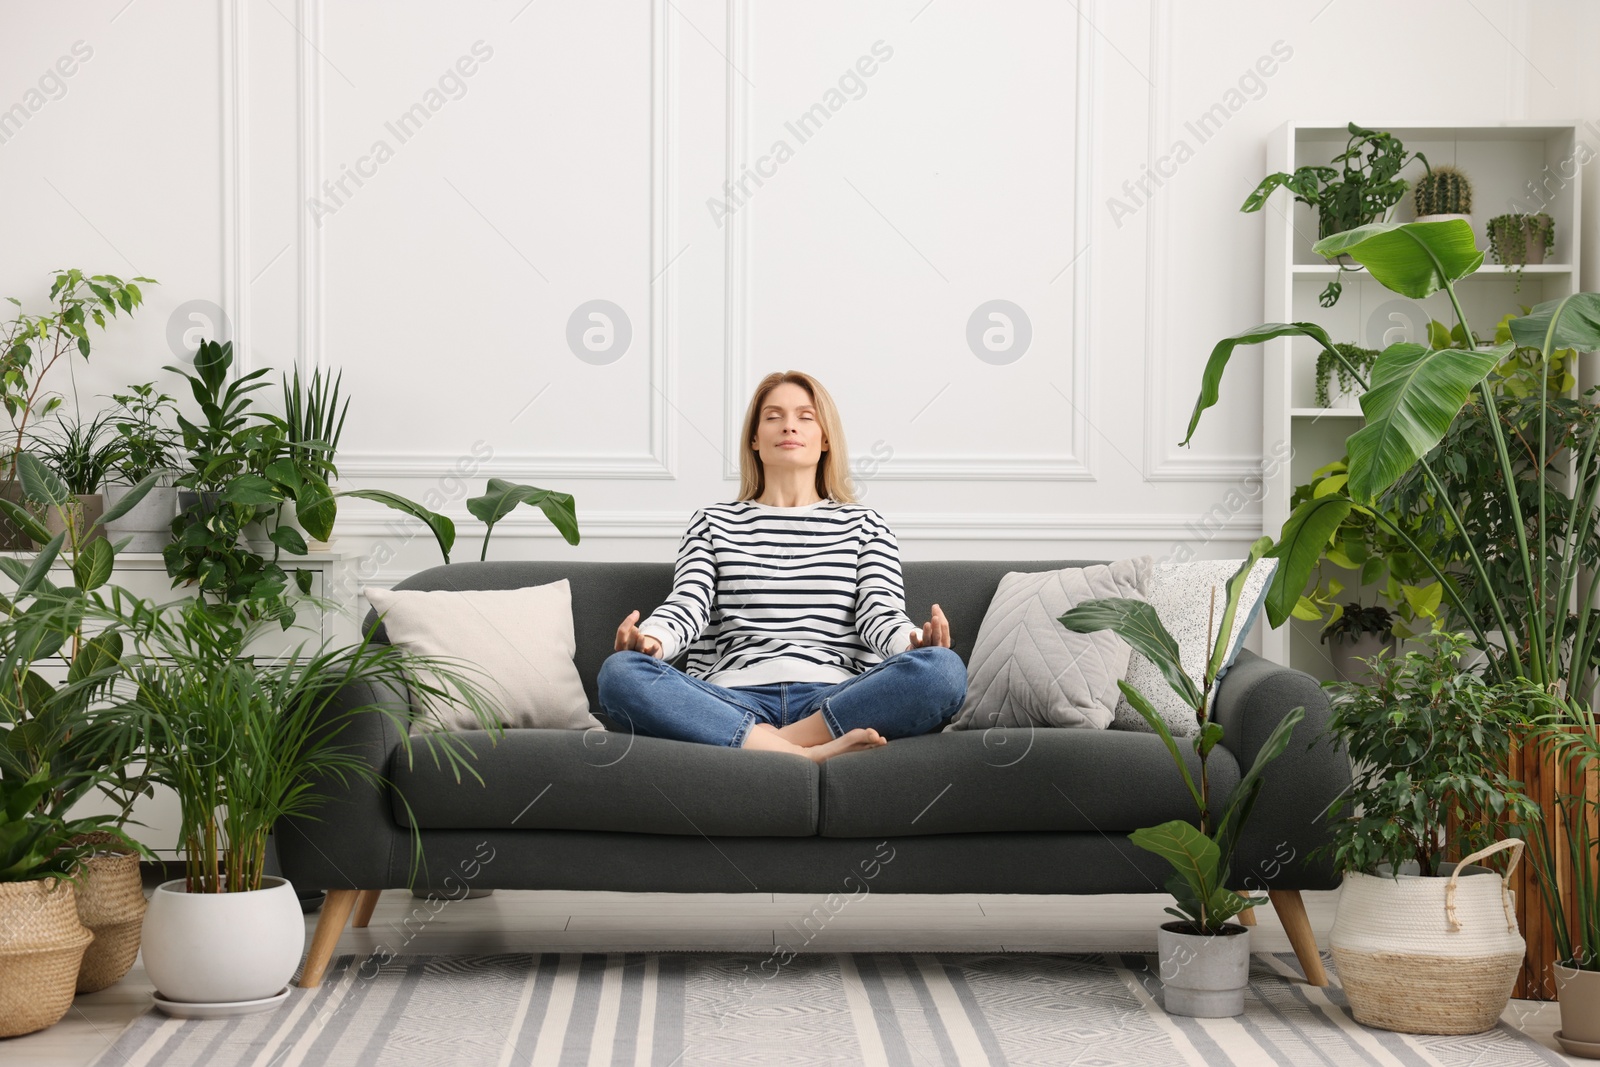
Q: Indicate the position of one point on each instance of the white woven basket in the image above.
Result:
(1429, 955)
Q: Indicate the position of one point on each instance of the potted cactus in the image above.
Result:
(1442, 194)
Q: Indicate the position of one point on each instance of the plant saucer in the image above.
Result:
(186, 1009)
(1586, 1049)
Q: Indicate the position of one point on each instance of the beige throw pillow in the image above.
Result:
(520, 642)
(1026, 669)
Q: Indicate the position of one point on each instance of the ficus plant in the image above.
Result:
(1201, 853)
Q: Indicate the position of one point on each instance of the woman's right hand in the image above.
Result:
(629, 639)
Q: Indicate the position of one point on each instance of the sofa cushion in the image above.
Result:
(1019, 778)
(515, 643)
(595, 780)
(1029, 670)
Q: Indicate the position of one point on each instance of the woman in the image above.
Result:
(791, 605)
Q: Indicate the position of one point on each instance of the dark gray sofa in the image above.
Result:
(1038, 811)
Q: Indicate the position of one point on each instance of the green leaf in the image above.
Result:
(1211, 380)
(503, 496)
(1415, 394)
(24, 520)
(1235, 591)
(99, 653)
(1192, 854)
(250, 489)
(285, 473)
(1136, 622)
(1309, 529)
(315, 506)
(41, 565)
(128, 502)
(92, 568)
(1413, 259)
(289, 539)
(40, 484)
(1570, 322)
(444, 530)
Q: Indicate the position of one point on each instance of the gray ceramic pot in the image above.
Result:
(1204, 976)
(149, 523)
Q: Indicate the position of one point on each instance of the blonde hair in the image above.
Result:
(833, 470)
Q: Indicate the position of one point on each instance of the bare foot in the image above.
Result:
(856, 740)
(765, 737)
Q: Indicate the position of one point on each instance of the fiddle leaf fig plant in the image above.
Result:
(1201, 856)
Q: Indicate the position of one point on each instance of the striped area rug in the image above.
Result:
(700, 1008)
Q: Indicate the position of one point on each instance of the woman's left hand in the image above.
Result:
(936, 631)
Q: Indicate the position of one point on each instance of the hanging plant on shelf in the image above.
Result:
(1356, 359)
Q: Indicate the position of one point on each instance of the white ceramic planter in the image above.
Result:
(222, 947)
(150, 521)
(1204, 976)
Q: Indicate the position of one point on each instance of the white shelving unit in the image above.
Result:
(1513, 167)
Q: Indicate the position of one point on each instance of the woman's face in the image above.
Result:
(788, 431)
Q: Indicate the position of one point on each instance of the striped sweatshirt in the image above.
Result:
(766, 594)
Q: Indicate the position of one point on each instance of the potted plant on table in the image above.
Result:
(150, 446)
(1517, 240)
(1205, 958)
(313, 422)
(1356, 632)
(1424, 945)
(1521, 538)
(237, 737)
(1365, 186)
(83, 455)
(31, 345)
(1357, 361)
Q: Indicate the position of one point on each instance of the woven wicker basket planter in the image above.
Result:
(41, 949)
(111, 904)
(1428, 955)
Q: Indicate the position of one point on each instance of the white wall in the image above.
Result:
(983, 158)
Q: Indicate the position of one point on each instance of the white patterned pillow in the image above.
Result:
(1026, 669)
(1181, 593)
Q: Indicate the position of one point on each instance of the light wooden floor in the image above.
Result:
(611, 922)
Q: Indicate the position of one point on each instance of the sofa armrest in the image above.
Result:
(350, 840)
(1290, 816)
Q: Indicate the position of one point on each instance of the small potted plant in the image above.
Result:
(1357, 361)
(1518, 240)
(1442, 194)
(313, 422)
(1428, 742)
(83, 455)
(30, 345)
(1205, 957)
(1355, 633)
(1362, 189)
(150, 446)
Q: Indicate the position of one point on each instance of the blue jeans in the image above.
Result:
(915, 692)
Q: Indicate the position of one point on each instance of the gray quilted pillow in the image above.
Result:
(1028, 670)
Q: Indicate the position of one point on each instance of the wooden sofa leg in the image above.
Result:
(364, 906)
(335, 910)
(1247, 917)
(1291, 911)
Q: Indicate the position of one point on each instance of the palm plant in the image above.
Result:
(239, 737)
(1570, 842)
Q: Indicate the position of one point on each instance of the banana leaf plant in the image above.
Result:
(1548, 627)
(1202, 857)
(499, 500)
